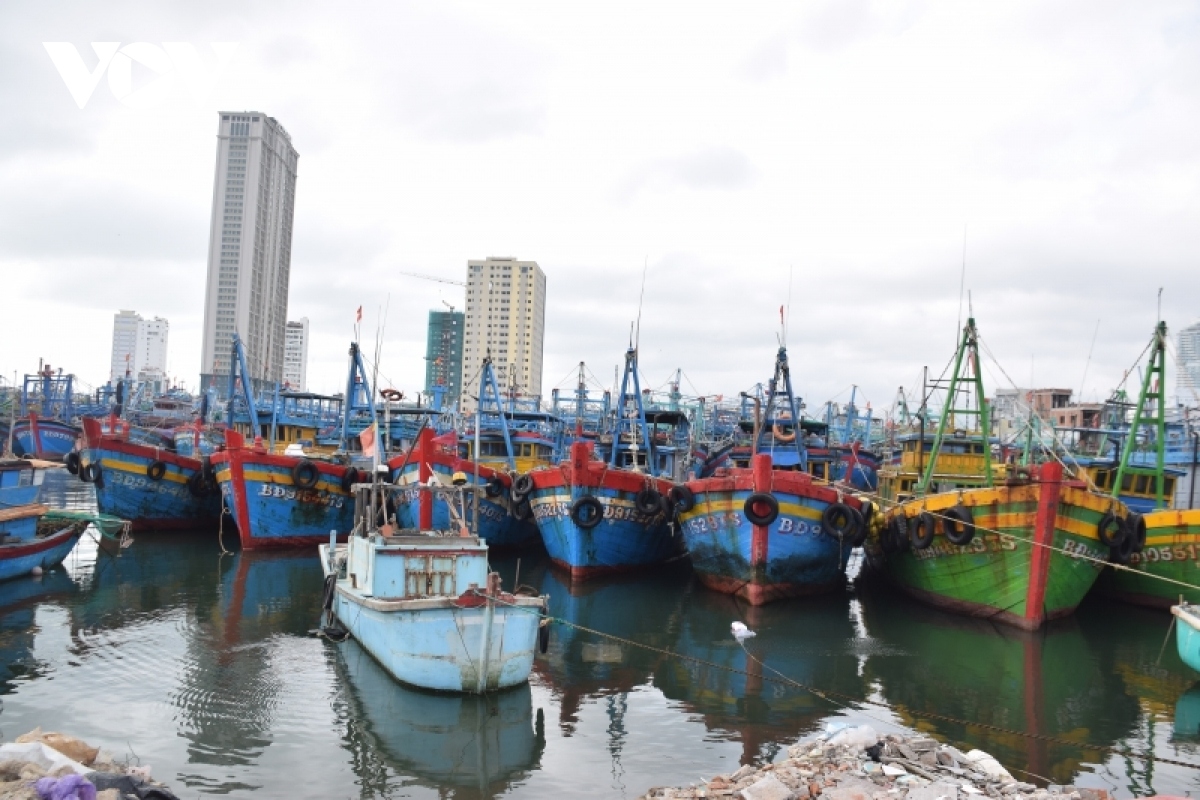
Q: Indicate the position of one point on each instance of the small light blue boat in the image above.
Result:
(1187, 634)
(424, 604)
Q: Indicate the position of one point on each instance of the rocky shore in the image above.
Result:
(55, 766)
(858, 764)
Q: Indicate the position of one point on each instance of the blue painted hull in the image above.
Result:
(13, 496)
(125, 490)
(52, 441)
(800, 558)
(497, 525)
(18, 559)
(624, 539)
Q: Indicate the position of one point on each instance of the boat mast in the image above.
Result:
(968, 349)
(1155, 376)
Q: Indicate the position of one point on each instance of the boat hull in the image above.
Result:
(790, 557)
(48, 439)
(1004, 573)
(270, 510)
(19, 559)
(1187, 635)
(125, 489)
(1172, 551)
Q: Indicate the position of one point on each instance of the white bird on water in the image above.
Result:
(741, 632)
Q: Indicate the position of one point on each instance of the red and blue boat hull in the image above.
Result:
(19, 559)
(126, 488)
(47, 439)
(497, 523)
(625, 538)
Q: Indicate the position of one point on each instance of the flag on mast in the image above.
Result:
(367, 438)
(358, 316)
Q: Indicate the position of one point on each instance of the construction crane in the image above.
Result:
(430, 278)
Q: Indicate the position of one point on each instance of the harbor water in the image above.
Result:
(201, 664)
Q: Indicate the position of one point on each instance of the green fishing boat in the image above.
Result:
(1016, 544)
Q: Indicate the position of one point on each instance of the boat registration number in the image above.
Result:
(280, 492)
(144, 483)
(1152, 555)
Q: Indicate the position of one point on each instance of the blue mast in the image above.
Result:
(783, 375)
(356, 380)
(633, 425)
(487, 381)
(238, 362)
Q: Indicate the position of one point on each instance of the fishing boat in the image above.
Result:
(152, 487)
(43, 423)
(424, 603)
(1161, 548)
(294, 498)
(603, 516)
(765, 534)
(1187, 634)
(507, 442)
(1020, 546)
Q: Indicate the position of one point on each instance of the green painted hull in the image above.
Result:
(1172, 551)
(991, 576)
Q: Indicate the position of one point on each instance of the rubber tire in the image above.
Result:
(761, 519)
(543, 638)
(350, 477)
(155, 470)
(97, 476)
(72, 462)
(582, 519)
(196, 484)
(87, 472)
(963, 516)
(901, 541)
(648, 501)
(1135, 529)
(305, 474)
(493, 487)
(523, 510)
(1122, 552)
(922, 531)
(522, 487)
(890, 535)
(1107, 522)
(850, 521)
(682, 499)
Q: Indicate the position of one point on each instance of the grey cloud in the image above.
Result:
(720, 168)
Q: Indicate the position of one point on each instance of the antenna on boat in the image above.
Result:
(784, 321)
(638, 332)
(962, 282)
(1088, 363)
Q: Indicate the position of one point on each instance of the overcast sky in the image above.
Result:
(840, 147)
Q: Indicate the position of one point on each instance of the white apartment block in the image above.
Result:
(250, 246)
(139, 346)
(295, 356)
(1187, 380)
(505, 317)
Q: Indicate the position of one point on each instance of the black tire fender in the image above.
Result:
(841, 521)
(1110, 530)
(682, 498)
(761, 508)
(493, 487)
(922, 531)
(350, 477)
(156, 470)
(586, 512)
(305, 474)
(648, 501)
(522, 487)
(72, 462)
(952, 518)
(1135, 530)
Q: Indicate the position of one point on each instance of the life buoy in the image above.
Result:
(393, 395)
(156, 470)
(648, 501)
(761, 508)
(1110, 530)
(954, 517)
(305, 474)
(493, 487)
(778, 432)
(586, 512)
(1135, 530)
(841, 521)
(682, 499)
(72, 461)
(350, 477)
(922, 531)
(522, 487)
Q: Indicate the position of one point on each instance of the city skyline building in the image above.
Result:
(250, 246)
(505, 317)
(139, 347)
(443, 353)
(1187, 378)
(295, 355)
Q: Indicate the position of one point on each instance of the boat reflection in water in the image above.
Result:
(1053, 683)
(19, 601)
(808, 640)
(464, 745)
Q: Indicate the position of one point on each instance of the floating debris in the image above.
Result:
(41, 765)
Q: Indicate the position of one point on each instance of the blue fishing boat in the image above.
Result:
(424, 603)
(44, 424)
(1187, 634)
(603, 516)
(31, 536)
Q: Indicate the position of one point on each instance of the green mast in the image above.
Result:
(968, 349)
(1154, 387)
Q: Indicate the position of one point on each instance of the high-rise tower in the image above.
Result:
(249, 246)
(295, 356)
(1187, 381)
(506, 317)
(443, 353)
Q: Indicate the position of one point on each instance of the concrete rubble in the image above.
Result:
(855, 763)
(41, 765)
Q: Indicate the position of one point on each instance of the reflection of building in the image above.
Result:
(139, 345)
(1187, 382)
(295, 356)
(249, 246)
(443, 352)
(505, 318)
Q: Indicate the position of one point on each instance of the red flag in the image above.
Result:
(358, 316)
(781, 315)
(367, 437)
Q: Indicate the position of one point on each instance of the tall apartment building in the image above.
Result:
(295, 356)
(139, 346)
(1187, 382)
(444, 353)
(505, 317)
(249, 246)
